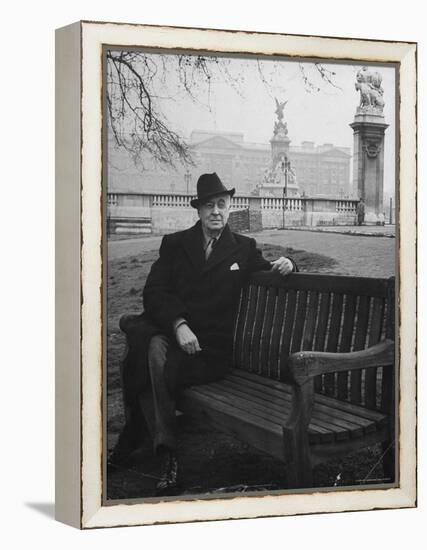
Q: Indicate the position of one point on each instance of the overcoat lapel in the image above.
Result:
(225, 247)
(192, 243)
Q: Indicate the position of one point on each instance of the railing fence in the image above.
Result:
(166, 211)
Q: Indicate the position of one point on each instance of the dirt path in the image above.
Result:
(354, 255)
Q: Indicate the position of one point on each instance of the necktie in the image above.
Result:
(210, 247)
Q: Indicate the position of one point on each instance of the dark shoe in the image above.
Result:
(168, 473)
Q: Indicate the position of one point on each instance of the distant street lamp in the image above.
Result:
(286, 166)
(187, 179)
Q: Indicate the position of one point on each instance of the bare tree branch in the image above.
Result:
(136, 124)
(326, 75)
(139, 82)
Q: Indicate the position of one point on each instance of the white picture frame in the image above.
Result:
(79, 274)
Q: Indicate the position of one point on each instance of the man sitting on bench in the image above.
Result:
(190, 299)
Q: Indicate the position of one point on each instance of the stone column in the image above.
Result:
(368, 162)
(279, 148)
(369, 127)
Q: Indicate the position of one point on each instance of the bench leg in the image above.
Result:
(295, 438)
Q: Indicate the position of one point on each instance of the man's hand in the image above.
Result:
(283, 265)
(187, 340)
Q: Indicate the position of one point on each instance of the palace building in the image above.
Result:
(320, 170)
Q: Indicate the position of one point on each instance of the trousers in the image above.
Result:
(170, 371)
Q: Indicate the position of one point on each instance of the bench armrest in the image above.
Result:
(305, 365)
(129, 321)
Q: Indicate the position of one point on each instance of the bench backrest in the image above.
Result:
(278, 316)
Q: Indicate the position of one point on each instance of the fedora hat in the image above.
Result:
(208, 186)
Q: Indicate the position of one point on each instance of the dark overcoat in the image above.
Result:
(182, 283)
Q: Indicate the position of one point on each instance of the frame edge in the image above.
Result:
(67, 275)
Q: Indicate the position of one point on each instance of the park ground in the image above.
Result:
(212, 462)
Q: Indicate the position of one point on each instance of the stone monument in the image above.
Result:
(369, 127)
(279, 176)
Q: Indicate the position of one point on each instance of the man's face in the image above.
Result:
(214, 213)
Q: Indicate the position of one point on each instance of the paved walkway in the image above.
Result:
(362, 230)
(356, 254)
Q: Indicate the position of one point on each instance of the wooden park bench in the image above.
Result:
(313, 371)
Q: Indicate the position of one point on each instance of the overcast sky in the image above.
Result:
(321, 115)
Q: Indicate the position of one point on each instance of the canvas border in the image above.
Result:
(93, 36)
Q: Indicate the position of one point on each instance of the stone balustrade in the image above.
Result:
(345, 206)
(183, 201)
(171, 201)
(239, 203)
(278, 203)
(163, 213)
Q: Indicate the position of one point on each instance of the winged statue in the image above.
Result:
(279, 108)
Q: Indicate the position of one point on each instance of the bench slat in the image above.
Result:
(310, 324)
(323, 424)
(280, 403)
(281, 398)
(239, 326)
(319, 431)
(249, 324)
(359, 343)
(266, 333)
(300, 317)
(286, 332)
(376, 417)
(277, 413)
(375, 330)
(333, 339)
(345, 344)
(259, 433)
(257, 329)
(321, 328)
(322, 322)
(281, 300)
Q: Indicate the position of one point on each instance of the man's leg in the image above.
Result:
(158, 401)
(171, 369)
(158, 405)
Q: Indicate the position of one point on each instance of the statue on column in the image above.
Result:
(279, 108)
(278, 175)
(280, 127)
(368, 83)
(368, 151)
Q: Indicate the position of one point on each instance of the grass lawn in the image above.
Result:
(210, 461)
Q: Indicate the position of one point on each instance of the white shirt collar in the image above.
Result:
(207, 238)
